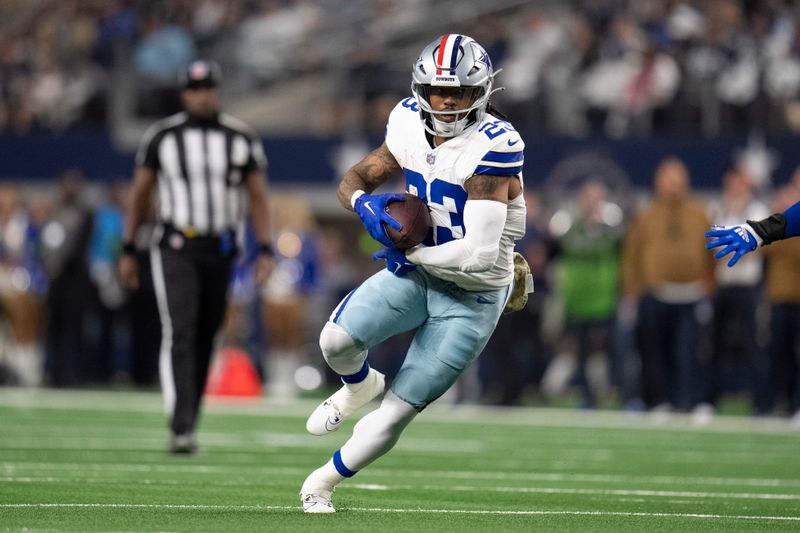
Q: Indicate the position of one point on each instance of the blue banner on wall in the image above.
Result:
(312, 159)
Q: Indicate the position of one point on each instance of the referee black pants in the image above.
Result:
(190, 277)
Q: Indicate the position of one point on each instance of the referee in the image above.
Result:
(205, 166)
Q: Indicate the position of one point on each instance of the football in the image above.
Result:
(412, 213)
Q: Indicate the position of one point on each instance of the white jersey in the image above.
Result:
(437, 175)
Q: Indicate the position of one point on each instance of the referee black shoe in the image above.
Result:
(183, 444)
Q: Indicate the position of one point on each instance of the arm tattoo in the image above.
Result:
(368, 174)
(485, 187)
(377, 167)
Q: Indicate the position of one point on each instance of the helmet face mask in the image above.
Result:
(455, 67)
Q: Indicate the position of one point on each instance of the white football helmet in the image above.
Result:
(453, 60)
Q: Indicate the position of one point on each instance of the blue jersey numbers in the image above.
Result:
(446, 202)
(496, 128)
(410, 103)
(450, 199)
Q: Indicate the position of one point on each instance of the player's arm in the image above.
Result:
(378, 167)
(778, 226)
(258, 193)
(484, 220)
(144, 179)
(745, 238)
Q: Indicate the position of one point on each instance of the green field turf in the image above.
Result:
(96, 461)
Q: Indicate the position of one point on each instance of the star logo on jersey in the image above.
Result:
(431, 159)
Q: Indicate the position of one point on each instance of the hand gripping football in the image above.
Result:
(412, 213)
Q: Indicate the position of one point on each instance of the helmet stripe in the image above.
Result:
(440, 55)
(454, 53)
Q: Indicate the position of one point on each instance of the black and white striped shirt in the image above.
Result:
(201, 166)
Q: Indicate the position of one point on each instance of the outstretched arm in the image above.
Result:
(778, 226)
(744, 238)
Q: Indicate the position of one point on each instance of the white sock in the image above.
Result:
(325, 477)
(353, 396)
(377, 432)
(355, 387)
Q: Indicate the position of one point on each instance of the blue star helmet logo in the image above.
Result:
(485, 59)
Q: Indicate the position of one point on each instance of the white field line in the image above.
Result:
(148, 440)
(113, 481)
(641, 493)
(384, 510)
(12, 468)
(243, 442)
(595, 492)
(572, 457)
(280, 442)
(150, 402)
(725, 457)
(587, 478)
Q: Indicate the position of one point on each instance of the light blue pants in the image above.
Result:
(453, 326)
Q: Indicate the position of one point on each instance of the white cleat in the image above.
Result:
(315, 494)
(317, 503)
(327, 414)
(330, 414)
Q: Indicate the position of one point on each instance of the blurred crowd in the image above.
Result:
(65, 321)
(630, 305)
(630, 310)
(618, 67)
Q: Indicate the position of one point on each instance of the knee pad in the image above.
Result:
(340, 350)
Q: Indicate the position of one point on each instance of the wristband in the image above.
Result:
(128, 248)
(356, 196)
(266, 249)
(771, 229)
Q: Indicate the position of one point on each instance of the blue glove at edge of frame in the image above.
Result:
(396, 261)
(371, 209)
(739, 240)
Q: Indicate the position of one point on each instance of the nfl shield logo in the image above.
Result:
(431, 159)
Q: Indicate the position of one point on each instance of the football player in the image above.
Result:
(465, 161)
(746, 237)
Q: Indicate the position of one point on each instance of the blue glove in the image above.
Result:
(396, 261)
(739, 240)
(371, 209)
